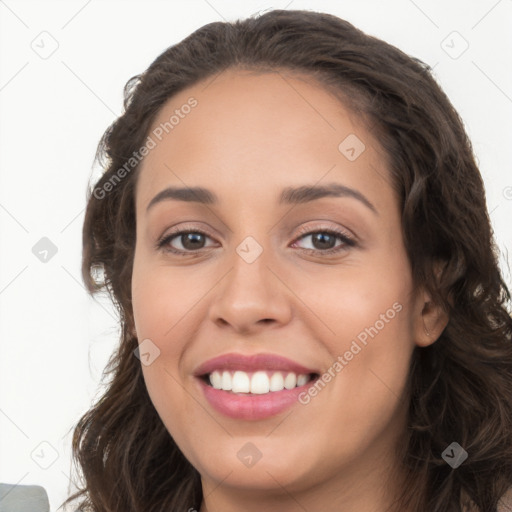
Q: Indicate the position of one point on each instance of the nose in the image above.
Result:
(251, 296)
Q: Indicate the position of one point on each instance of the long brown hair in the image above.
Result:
(460, 387)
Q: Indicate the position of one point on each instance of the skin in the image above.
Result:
(250, 136)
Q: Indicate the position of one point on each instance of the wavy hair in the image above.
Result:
(459, 388)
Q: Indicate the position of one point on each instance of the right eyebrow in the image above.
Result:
(189, 194)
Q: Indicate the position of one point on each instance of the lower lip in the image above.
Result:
(251, 407)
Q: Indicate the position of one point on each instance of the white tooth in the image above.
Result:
(290, 381)
(241, 383)
(260, 383)
(302, 379)
(226, 381)
(216, 379)
(277, 382)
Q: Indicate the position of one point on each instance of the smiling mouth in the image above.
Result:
(256, 383)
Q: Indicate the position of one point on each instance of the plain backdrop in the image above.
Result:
(63, 66)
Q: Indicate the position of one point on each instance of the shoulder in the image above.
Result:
(505, 503)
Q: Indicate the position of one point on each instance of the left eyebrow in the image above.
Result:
(306, 193)
(289, 195)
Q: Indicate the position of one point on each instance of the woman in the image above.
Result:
(294, 229)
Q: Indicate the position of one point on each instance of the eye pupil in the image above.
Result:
(194, 238)
(321, 238)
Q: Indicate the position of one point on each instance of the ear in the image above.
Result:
(430, 320)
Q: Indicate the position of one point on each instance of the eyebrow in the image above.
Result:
(289, 195)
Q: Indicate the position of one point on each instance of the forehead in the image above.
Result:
(246, 131)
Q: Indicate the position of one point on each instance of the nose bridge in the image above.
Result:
(249, 275)
(249, 291)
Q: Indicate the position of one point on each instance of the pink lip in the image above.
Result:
(251, 407)
(251, 363)
(248, 406)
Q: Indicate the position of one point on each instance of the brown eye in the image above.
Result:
(187, 241)
(192, 241)
(324, 241)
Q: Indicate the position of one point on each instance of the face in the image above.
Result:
(258, 287)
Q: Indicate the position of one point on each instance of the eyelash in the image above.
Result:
(348, 241)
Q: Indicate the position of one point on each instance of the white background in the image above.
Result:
(55, 340)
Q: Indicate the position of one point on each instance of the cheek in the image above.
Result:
(375, 345)
(370, 305)
(165, 304)
(162, 298)
(372, 343)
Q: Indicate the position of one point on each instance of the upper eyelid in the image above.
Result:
(316, 229)
(301, 231)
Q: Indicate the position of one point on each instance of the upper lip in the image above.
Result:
(249, 363)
